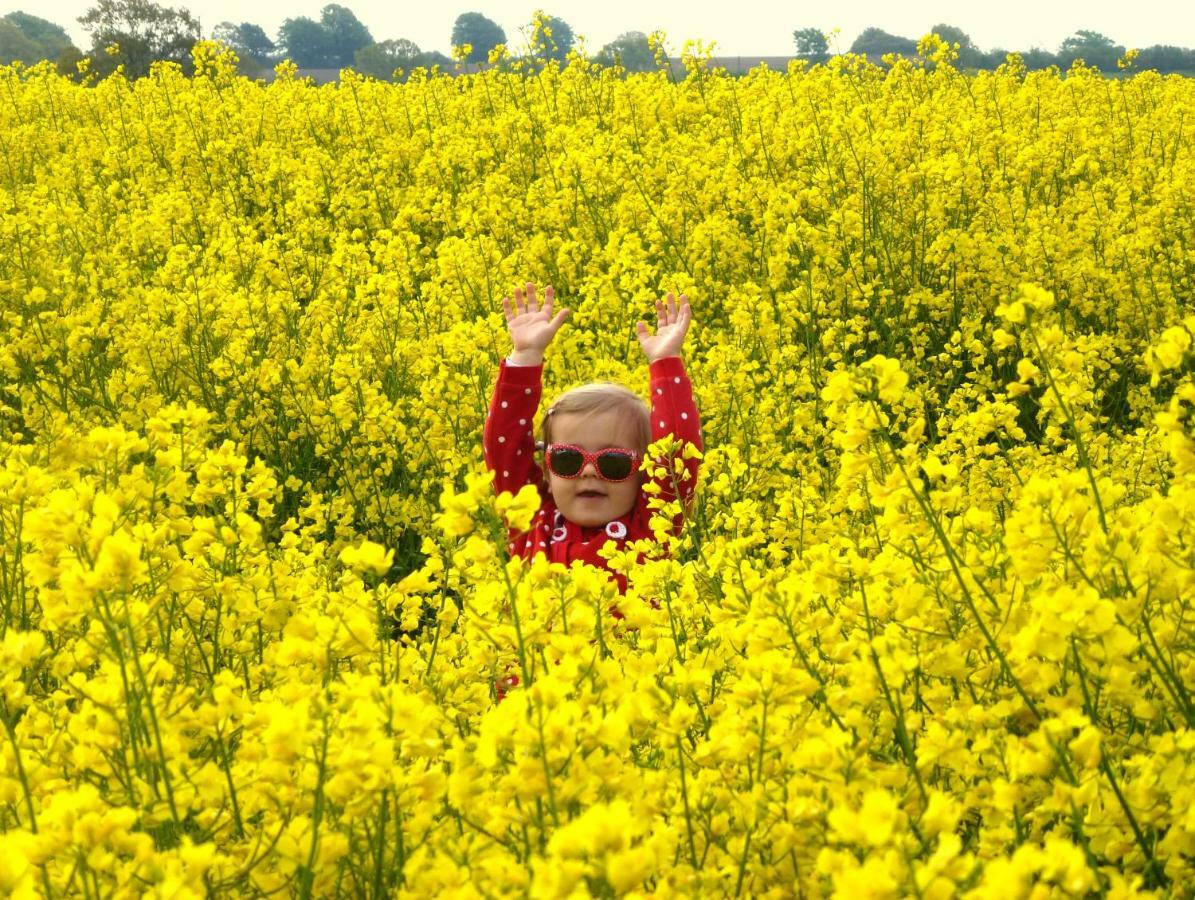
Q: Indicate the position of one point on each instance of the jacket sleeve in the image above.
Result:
(673, 411)
(508, 439)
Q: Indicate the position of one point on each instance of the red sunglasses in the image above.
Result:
(611, 464)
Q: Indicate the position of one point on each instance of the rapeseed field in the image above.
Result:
(928, 630)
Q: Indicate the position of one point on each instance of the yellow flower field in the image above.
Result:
(929, 632)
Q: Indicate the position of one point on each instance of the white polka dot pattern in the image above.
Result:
(508, 433)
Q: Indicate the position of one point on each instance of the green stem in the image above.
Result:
(684, 793)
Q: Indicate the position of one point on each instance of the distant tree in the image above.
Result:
(1037, 58)
(430, 58)
(16, 46)
(346, 32)
(1166, 58)
(993, 58)
(381, 59)
(50, 38)
(877, 42)
(811, 44)
(248, 40)
(307, 43)
(144, 31)
(1093, 48)
(968, 53)
(1083, 39)
(630, 50)
(68, 62)
(480, 33)
(552, 37)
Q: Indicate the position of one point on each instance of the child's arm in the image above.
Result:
(673, 410)
(508, 439)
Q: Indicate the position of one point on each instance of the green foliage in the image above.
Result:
(480, 33)
(877, 42)
(1167, 58)
(306, 42)
(143, 30)
(630, 50)
(347, 33)
(552, 38)
(381, 59)
(15, 45)
(1093, 48)
(29, 39)
(332, 42)
(247, 40)
(811, 44)
(68, 61)
(968, 54)
(51, 39)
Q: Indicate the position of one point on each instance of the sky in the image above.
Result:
(739, 27)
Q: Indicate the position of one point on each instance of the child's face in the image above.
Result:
(593, 432)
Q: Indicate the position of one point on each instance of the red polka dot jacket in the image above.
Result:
(509, 443)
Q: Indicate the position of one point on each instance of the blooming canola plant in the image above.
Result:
(925, 631)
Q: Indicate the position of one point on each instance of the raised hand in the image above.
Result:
(672, 323)
(531, 325)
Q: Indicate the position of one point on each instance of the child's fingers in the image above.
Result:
(519, 305)
(506, 308)
(532, 304)
(558, 320)
(549, 296)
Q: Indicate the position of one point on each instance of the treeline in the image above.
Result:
(1093, 48)
(135, 33)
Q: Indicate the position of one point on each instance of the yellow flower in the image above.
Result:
(119, 564)
(871, 825)
(368, 557)
(519, 509)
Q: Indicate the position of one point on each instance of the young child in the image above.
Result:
(594, 437)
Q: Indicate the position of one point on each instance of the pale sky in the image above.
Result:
(740, 27)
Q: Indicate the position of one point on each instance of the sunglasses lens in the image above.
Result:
(565, 463)
(615, 466)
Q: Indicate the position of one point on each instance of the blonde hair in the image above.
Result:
(601, 397)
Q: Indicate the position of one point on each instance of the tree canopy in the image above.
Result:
(249, 41)
(332, 42)
(811, 44)
(877, 42)
(381, 59)
(16, 46)
(551, 37)
(630, 50)
(49, 38)
(347, 33)
(143, 30)
(306, 42)
(1092, 47)
(968, 53)
(480, 33)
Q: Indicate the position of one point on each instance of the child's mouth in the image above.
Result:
(590, 495)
